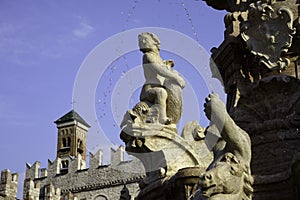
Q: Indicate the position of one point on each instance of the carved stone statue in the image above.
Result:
(163, 86)
(161, 95)
(228, 176)
(172, 162)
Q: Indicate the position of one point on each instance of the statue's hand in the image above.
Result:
(180, 81)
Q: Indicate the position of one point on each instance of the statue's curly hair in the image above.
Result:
(153, 36)
(141, 108)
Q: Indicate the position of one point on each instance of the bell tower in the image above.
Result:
(71, 140)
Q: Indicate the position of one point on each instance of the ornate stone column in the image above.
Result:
(258, 62)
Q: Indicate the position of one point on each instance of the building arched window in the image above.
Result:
(65, 164)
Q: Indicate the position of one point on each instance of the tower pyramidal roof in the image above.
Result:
(71, 116)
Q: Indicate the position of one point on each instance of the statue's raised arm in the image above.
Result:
(237, 140)
(228, 177)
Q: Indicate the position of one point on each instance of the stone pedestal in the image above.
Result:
(172, 163)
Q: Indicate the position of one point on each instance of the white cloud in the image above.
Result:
(83, 30)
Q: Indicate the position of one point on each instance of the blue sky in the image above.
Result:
(44, 43)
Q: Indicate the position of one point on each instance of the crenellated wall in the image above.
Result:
(8, 185)
(77, 181)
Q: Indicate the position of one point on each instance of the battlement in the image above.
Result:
(8, 184)
(63, 174)
(32, 172)
(96, 159)
(117, 156)
(72, 164)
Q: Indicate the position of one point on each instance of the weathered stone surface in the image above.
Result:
(270, 114)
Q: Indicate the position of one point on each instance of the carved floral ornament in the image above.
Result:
(268, 33)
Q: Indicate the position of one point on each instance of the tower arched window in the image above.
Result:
(79, 144)
(64, 142)
(69, 142)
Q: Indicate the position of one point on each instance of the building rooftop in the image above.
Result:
(71, 116)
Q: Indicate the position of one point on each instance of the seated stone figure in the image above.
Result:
(228, 177)
(163, 86)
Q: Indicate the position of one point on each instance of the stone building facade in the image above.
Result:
(67, 177)
(8, 185)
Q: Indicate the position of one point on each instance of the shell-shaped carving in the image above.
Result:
(268, 33)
